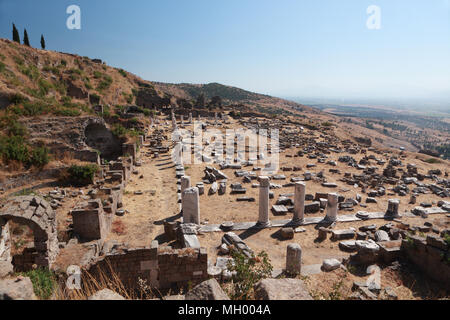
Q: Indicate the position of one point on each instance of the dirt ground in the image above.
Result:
(143, 220)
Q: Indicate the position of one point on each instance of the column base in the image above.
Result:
(297, 222)
(390, 216)
(263, 224)
(330, 220)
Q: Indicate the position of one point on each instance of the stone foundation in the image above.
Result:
(432, 256)
(159, 267)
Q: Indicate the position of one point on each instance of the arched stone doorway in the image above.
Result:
(99, 137)
(37, 214)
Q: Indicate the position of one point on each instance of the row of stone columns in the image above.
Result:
(191, 208)
(299, 202)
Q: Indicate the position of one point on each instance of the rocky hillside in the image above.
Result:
(60, 80)
(43, 92)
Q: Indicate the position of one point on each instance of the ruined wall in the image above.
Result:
(160, 267)
(37, 214)
(89, 221)
(24, 262)
(5, 241)
(100, 138)
(68, 135)
(22, 179)
(92, 219)
(430, 255)
(149, 98)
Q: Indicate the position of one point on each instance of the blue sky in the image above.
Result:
(293, 48)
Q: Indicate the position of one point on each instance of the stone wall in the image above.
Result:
(431, 255)
(37, 214)
(92, 219)
(22, 179)
(77, 136)
(24, 262)
(159, 267)
(89, 221)
(149, 98)
(5, 242)
(98, 137)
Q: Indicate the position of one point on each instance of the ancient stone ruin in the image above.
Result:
(37, 214)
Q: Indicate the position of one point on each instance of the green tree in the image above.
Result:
(42, 42)
(26, 41)
(16, 36)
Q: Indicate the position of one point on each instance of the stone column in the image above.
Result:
(174, 121)
(177, 154)
(392, 210)
(182, 120)
(332, 207)
(263, 220)
(190, 117)
(299, 202)
(293, 259)
(185, 183)
(191, 206)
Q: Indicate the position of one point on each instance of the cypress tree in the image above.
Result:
(16, 36)
(42, 42)
(26, 41)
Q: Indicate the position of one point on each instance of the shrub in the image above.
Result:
(129, 97)
(119, 131)
(53, 70)
(66, 99)
(67, 112)
(87, 83)
(31, 71)
(44, 282)
(35, 93)
(105, 83)
(97, 74)
(16, 129)
(447, 239)
(60, 87)
(39, 157)
(95, 96)
(248, 272)
(34, 108)
(2, 67)
(19, 61)
(17, 98)
(44, 86)
(82, 175)
(75, 71)
(14, 148)
(123, 73)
